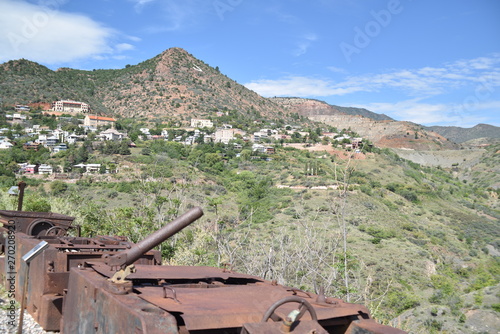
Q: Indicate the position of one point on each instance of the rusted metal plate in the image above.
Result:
(34, 215)
(301, 327)
(230, 306)
(49, 312)
(178, 273)
(56, 283)
(369, 326)
(90, 308)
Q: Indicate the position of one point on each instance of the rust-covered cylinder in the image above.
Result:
(129, 256)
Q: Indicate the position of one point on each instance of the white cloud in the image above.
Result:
(429, 114)
(179, 14)
(337, 69)
(411, 110)
(281, 15)
(299, 86)
(124, 47)
(140, 4)
(476, 74)
(304, 43)
(134, 38)
(48, 35)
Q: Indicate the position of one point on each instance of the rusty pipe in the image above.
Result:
(21, 185)
(129, 256)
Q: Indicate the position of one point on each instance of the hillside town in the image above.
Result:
(86, 126)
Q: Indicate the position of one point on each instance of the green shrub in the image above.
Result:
(58, 187)
(366, 189)
(379, 232)
(36, 204)
(434, 325)
(478, 298)
(409, 195)
(400, 301)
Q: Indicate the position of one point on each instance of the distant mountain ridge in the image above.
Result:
(460, 135)
(311, 107)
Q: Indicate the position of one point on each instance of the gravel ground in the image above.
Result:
(29, 324)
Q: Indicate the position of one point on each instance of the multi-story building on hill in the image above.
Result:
(70, 106)
(225, 135)
(95, 121)
(201, 123)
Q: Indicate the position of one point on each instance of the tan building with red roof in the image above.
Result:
(96, 121)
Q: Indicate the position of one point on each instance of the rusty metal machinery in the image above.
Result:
(109, 285)
(49, 272)
(34, 224)
(166, 299)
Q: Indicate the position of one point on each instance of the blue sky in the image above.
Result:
(425, 61)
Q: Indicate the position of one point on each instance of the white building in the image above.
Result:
(18, 117)
(47, 140)
(59, 148)
(89, 168)
(45, 169)
(5, 144)
(73, 138)
(201, 123)
(225, 135)
(111, 134)
(70, 106)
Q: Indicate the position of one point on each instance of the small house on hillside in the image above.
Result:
(5, 144)
(31, 146)
(45, 169)
(89, 168)
(31, 169)
(111, 134)
(59, 148)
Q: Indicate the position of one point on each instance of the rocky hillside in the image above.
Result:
(173, 84)
(312, 107)
(460, 135)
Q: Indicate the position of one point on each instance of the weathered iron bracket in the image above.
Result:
(121, 275)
